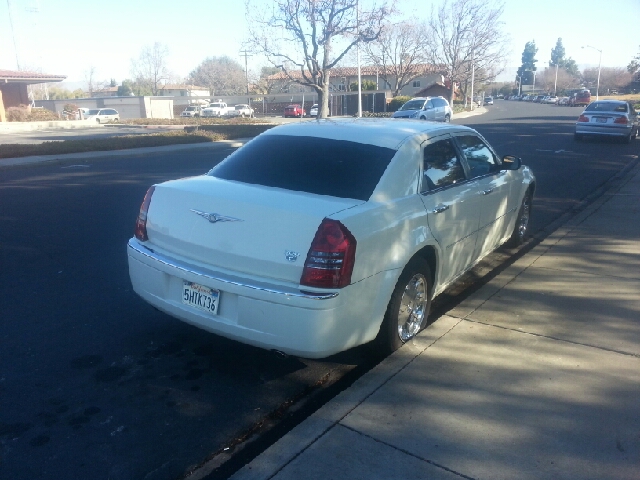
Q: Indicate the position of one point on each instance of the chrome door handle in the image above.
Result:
(488, 191)
(440, 209)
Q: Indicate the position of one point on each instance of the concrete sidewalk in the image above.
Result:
(534, 376)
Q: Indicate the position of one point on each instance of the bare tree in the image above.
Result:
(546, 79)
(399, 54)
(467, 33)
(150, 68)
(304, 34)
(611, 78)
(221, 75)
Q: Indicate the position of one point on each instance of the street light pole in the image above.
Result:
(599, 67)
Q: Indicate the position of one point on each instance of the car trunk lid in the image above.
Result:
(238, 227)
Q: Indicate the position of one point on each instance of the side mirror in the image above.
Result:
(511, 162)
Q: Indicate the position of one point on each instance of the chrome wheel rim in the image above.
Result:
(524, 217)
(413, 307)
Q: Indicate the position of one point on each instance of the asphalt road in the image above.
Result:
(94, 383)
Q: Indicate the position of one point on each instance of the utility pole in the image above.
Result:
(245, 53)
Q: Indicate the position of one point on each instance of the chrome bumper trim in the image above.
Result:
(138, 247)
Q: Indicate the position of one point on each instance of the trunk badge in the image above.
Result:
(215, 217)
(291, 256)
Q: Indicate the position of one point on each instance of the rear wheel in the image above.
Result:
(408, 308)
(447, 118)
(577, 137)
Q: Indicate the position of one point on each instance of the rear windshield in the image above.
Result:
(607, 107)
(320, 166)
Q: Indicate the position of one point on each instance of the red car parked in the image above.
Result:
(294, 111)
(582, 98)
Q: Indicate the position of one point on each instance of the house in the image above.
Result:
(13, 87)
(342, 77)
(106, 92)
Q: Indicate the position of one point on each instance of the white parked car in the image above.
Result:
(313, 111)
(316, 237)
(102, 115)
(216, 109)
(241, 110)
(192, 111)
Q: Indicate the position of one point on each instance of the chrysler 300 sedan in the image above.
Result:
(316, 237)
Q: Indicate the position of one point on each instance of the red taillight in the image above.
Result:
(622, 120)
(141, 222)
(583, 118)
(331, 257)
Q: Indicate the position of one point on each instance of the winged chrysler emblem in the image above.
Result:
(215, 217)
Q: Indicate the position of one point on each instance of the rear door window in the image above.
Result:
(315, 165)
(442, 166)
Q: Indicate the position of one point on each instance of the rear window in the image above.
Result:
(607, 107)
(321, 166)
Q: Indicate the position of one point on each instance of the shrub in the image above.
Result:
(17, 114)
(397, 102)
(41, 115)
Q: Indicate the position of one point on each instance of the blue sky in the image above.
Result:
(68, 37)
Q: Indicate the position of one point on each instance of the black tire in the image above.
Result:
(577, 137)
(521, 228)
(627, 139)
(409, 304)
(447, 118)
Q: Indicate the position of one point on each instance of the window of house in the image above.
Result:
(416, 83)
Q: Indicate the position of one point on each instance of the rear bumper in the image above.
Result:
(260, 313)
(584, 128)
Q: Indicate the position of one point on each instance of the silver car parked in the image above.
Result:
(613, 118)
(426, 108)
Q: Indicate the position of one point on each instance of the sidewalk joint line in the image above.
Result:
(564, 340)
(406, 452)
(360, 402)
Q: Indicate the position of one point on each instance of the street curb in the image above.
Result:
(301, 437)
(38, 159)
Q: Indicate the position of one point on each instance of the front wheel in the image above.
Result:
(447, 118)
(408, 308)
(521, 228)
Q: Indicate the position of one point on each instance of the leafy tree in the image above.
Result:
(113, 83)
(126, 89)
(221, 75)
(150, 69)
(312, 36)
(399, 54)
(634, 67)
(366, 85)
(528, 63)
(466, 35)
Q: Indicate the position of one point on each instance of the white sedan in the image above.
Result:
(316, 237)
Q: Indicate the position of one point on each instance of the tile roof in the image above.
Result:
(353, 71)
(21, 76)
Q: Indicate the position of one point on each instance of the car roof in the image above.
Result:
(382, 132)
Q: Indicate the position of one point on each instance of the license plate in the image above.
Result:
(601, 120)
(201, 297)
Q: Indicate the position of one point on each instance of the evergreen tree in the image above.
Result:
(525, 72)
(558, 58)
